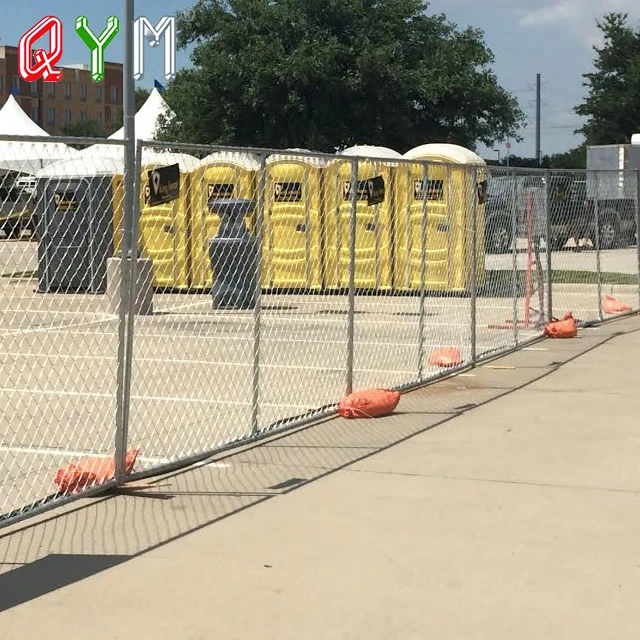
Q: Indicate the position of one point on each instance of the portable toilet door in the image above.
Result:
(374, 216)
(446, 196)
(223, 174)
(163, 227)
(117, 198)
(292, 250)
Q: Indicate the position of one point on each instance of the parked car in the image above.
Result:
(506, 199)
(571, 209)
(573, 215)
(16, 210)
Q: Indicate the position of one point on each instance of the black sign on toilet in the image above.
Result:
(163, 185)
(371, 190)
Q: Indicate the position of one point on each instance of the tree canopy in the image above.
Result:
(612, 105)
(331, 73)
(572, 159)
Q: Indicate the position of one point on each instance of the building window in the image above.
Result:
(98, 92)
(83, 92)
(51, 116)
(67, 116)
(83, 115)
(114, 116)
(16, 83)
(34, 88)
(114, 94)
(1, 83)
(35, 114)
(99, 117)
(67, 90)
(51, 89)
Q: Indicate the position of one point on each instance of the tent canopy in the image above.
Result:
(146, 123)
(148, 118)
(108, 159)
(27, 157)
(103, 165)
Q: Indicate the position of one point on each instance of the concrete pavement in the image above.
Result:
(508, 508)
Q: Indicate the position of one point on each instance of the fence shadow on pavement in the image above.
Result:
(86, 537)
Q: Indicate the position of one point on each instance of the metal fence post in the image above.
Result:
(352, 274)
(257, 310)
(596, 221)
(548, 243)
(474, 264)
(638, 229)
(129, 251)
(514, 275)
(423, 266)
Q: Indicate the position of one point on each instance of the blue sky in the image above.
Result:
(550, 37)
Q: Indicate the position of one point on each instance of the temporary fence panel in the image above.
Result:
(60, 341)
(186, 377)
(374, 214)
(292, 257)
(219, 176)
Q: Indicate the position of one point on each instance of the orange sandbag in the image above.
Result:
(565, 328)
(90, 472)
(371, 403)
(612, 306)
(446, 357)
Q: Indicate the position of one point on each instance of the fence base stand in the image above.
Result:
(144, 285)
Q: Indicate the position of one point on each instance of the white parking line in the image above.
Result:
(237, 404)
(56, 328)
(73, 454)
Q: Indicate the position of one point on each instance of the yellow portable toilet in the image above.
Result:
(162, 228)
(447, 196)
(292, 238)
(223, 174)
(374, 218)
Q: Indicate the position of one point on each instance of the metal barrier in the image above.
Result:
(369, 272)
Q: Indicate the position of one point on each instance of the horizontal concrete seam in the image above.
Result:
(520, 483)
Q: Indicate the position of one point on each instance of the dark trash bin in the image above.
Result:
(234, 256)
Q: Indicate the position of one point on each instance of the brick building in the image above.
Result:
(76, 98)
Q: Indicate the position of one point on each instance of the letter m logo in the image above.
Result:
(166, 29)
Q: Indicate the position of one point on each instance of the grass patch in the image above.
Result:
(568, 276)
(499, 283)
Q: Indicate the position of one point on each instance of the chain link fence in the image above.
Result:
(265, 286)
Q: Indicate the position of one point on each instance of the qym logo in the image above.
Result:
(34, 64)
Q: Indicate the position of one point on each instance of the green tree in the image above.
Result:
(331, 73)
(87, 129)
(612, 105)
(141, 97)
(573, 159)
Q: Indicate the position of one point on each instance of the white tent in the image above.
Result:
(92, 164)
(108, 159)
(148, 117)
(27, 157)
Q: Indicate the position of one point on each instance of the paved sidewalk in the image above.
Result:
(509, 509)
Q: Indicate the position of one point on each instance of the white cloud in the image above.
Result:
(577, 16)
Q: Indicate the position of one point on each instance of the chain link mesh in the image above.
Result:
(271, 285)
(59, 353)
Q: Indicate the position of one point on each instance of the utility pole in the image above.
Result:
(538, 151)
